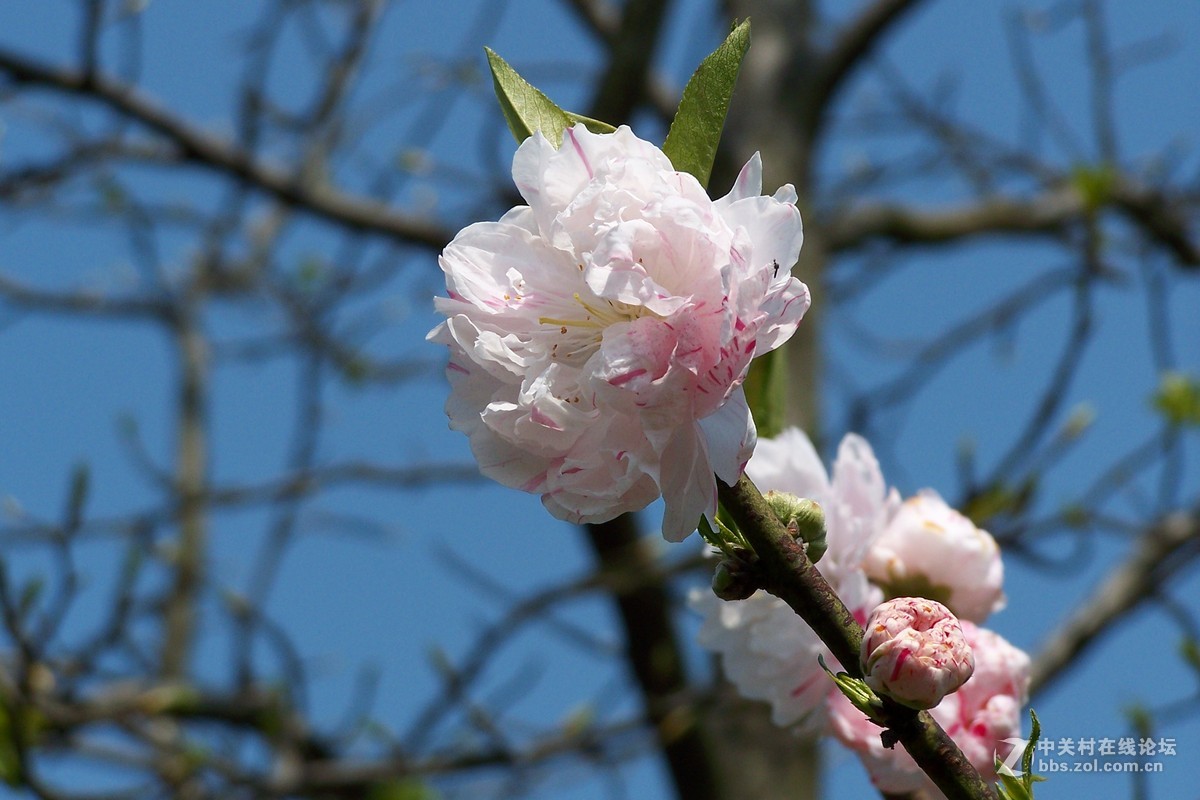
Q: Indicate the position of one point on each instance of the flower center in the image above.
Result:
(579, 337)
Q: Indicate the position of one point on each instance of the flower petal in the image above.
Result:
(688, 488)
(731, 435)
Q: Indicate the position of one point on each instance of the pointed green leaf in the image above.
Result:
(525, 108)
(1030, 747)
(692, 141)
(1011, 788)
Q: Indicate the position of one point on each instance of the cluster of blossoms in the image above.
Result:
(599, 336)
(879, 547)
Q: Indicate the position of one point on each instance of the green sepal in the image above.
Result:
(725, 537)
(856, 690)
(696, 130)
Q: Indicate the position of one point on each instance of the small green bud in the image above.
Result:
(803, 518)
(732, 580)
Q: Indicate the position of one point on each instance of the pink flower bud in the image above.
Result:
(979, 717)
(914, 651)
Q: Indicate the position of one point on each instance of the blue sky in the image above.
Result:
(383, 596)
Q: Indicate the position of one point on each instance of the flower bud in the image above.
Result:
(914, 651)
(803, 518)
(732, 580)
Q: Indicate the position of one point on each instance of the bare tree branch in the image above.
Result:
(1051, 214)
(82, 302)
(189, 556)
(226, 159)
(851, 49)
(1162, 552)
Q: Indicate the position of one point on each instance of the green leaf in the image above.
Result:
(1001, 499)
(856, 691)
(766, 392)
(1012, 786)
(1178, 398)
(1095, 184)
(1075, 516)
(579, 721)
(1140, 718)
(1027, 756)
(525, 108)
(692, 141)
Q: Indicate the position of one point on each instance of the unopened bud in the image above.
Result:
(803, 518)
(732, 580)
(914, 651)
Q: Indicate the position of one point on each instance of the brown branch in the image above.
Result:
(1156, 213)
(1163, 551)
(355, 778)
(191, 477)
(1159, 215)
(225, 158)
(81, 301)
(1047, 214)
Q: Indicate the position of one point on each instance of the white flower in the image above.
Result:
(600, 335)
(767, 651)
(930, 550)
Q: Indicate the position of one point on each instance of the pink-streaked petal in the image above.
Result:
(783, 308)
